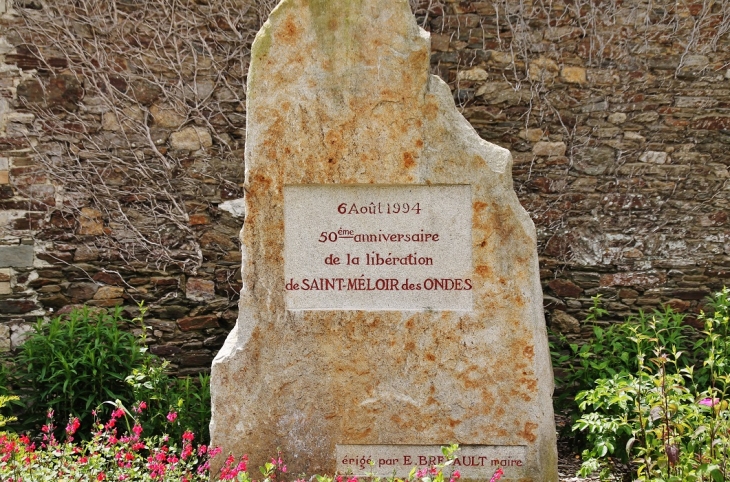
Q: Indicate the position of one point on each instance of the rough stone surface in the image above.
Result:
(198, 289)
(198, 322)
(573, 75)
(19, 333)
(191, 139)
(5, 343)
(165, 116)
(361, 108)
(90, 222)
(16, 256)
(549, 149)
(82, 291)
(109, 292)
(565, 288)
(564, 323)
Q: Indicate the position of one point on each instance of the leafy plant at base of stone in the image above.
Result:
(669, 415)
(73, 363)
(611, 349)
(188, 397)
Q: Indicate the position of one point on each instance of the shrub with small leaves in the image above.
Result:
(668, 418)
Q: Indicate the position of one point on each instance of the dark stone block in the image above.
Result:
(82, 291)
(55, 301)
(198, 322)
(61, 92)
(165, 350)
(16, 307)
(565, 288)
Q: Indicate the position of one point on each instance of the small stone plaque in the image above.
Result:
(472, 461)
(378, 248)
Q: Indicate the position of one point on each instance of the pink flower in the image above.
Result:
(497, 475)
(137, 429)
(188, 435)
(171, 417)
(709, 402)
(187, 451)
(455, 476)
(72, 426)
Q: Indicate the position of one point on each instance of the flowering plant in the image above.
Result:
(110, 454)
(669, 419)
(118, 451)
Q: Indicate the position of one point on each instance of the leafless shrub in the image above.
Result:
(149, 71)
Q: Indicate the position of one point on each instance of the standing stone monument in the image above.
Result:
(391, 300)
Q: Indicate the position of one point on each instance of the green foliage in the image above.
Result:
(189, 398)
(666, 412)
(4, 400)
(612, 349)
(72, 364)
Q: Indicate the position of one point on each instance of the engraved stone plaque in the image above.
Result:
(378, 248)
(472, 461)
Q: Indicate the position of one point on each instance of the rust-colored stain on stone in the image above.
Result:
(483, 270)
(290, 33)
(408, 161)
(528, 432)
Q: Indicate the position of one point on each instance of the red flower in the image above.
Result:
(187, 451)
(188, 435)
(101, 476)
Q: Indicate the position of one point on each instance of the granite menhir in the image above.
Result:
(391, 300)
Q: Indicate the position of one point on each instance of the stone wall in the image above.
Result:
(121, 152)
